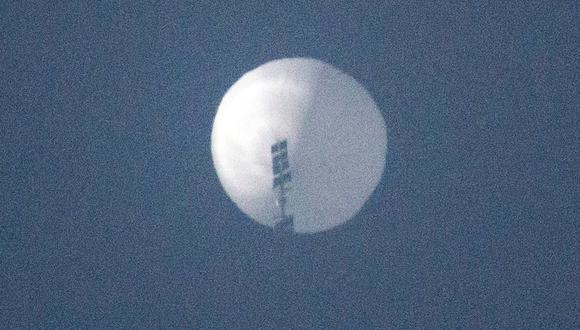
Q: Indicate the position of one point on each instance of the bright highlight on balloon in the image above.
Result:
(298, 145)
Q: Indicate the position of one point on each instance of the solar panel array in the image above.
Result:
(280, 164)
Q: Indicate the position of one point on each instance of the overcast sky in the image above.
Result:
(111, 213)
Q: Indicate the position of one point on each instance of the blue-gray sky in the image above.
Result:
(111, 214)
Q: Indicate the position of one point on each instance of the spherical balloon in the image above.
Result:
(335, 143)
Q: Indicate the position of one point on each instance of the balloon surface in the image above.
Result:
(336, 143)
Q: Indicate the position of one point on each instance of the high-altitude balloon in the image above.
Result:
(299, 142)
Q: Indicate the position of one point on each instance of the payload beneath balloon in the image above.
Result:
(298, 145)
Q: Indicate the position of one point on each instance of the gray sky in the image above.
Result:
(111, 213)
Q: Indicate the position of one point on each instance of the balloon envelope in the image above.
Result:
(336, 143)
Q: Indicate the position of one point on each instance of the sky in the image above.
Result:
(112, 215)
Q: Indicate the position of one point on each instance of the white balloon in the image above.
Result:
(337, 142)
